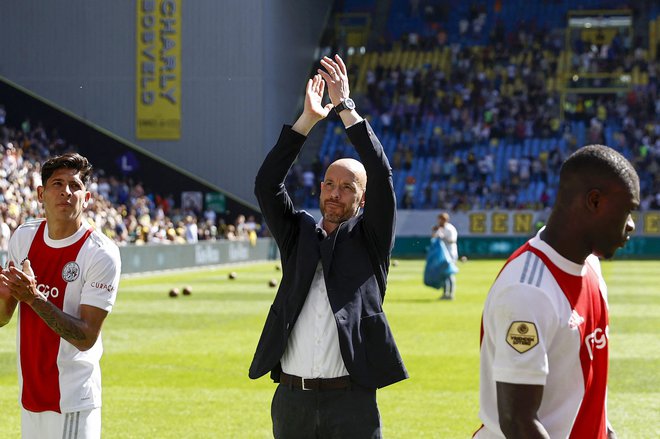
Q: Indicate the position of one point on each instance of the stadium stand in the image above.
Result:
(475, 103)
(125, 211)
(477, 106)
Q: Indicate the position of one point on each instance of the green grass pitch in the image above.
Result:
(177, 367)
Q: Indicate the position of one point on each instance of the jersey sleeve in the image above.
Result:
(523, 322)
(13, 251)
(19, 243)
(102, 279)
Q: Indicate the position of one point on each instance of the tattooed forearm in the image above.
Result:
(66, 326)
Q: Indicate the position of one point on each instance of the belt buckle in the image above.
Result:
(302, 382)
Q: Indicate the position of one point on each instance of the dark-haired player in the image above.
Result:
(544, 345)
(63, 276)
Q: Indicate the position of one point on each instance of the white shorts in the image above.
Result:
(85, 424)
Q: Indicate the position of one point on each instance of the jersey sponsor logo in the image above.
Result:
(522, 336)
(71, 271)
(46, 291)
(596, 340)
(575, 320)
(102, 286)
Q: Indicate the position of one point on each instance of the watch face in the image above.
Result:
(346, 104)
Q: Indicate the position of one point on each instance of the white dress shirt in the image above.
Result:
(313, 347)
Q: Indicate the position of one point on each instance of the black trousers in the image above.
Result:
(328, 414)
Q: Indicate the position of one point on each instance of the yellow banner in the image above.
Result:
(501, 223)
(158, 75)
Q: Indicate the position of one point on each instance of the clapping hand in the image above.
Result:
(336, 77)
(21, 284)
(313, 110)
(314, 97)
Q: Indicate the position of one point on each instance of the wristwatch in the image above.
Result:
(346, 104)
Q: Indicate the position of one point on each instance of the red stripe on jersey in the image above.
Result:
(40, 344)
(583, 293)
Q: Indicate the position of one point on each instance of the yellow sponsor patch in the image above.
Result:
(522, 336)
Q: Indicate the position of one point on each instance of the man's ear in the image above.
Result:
(40, 194)
(594, 199)
(88, 196)
(363, 199)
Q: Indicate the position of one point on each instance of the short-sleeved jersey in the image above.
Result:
(82, 269)
(545, 322)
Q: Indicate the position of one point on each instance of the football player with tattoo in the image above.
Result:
(63, 276)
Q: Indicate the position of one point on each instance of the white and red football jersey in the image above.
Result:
(82, 269)
(545, 322)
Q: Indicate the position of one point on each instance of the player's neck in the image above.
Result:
(565, 242)
(63, 229)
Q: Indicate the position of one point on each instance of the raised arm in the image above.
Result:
(274, 201)
(380, 206)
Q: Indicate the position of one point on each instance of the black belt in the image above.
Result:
(315, 383)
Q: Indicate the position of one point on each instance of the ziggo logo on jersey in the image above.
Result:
(47, 291)
(597, 339)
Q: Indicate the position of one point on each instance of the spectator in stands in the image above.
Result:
(230, 234)
(241, 228)
(208, 231)
(191, 229)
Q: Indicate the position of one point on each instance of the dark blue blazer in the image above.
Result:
(355, 259)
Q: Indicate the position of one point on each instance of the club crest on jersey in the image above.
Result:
(71, 271)
(522, 336)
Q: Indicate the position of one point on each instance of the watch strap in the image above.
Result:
(342, 106)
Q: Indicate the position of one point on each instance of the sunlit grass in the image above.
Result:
(177, 367)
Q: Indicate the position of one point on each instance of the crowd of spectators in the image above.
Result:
(124, 210)
(451, 125)
(457, 135)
